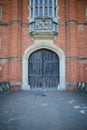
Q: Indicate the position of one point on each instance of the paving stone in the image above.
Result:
(57, 110)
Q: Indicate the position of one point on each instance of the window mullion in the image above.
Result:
(43, 8)
(57, 9)
(86, 13)
(0, 13)
(53, 9)
(38, 7)
(48, 6)
(33, 9)
(30, 9)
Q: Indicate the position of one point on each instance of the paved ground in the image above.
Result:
(35, 111)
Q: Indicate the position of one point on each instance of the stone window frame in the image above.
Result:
(54, 17)
(33, 6)
(86, 13)
(0, 13)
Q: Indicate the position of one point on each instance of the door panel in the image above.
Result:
(43, 69)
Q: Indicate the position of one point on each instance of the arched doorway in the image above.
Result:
(43, 70)
(40, 45)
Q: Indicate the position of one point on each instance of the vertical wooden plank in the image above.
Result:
(43, 69)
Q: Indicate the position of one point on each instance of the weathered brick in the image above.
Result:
(15, 39)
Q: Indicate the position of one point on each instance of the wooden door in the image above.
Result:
(43, 69)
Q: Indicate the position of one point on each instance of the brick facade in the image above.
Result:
(15, 39)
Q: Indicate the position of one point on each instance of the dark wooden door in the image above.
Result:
(43, 69)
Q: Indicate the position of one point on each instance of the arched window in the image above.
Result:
(43, 16)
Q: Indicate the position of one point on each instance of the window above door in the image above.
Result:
(43, 17)
(43, 8)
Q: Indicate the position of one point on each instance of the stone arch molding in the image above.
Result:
(45, 44)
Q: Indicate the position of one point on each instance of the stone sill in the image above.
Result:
(44, 35)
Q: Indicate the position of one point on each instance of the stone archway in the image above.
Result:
(46, 44)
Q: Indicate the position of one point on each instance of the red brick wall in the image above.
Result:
(82, 40)
(15, 38)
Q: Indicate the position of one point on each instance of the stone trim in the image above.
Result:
(15, 83)
(71, 58)
(82, 24)
(83, 58)
(75, 58)
(72, 22)
(20, 58)
(71, 83)
(11, 58)
(14, 22)
(27, 23)
(43, 44)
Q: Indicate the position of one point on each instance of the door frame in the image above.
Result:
(43, 44)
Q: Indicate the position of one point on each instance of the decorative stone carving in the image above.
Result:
(43, 24)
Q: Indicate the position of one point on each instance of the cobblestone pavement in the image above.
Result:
(35, 110)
